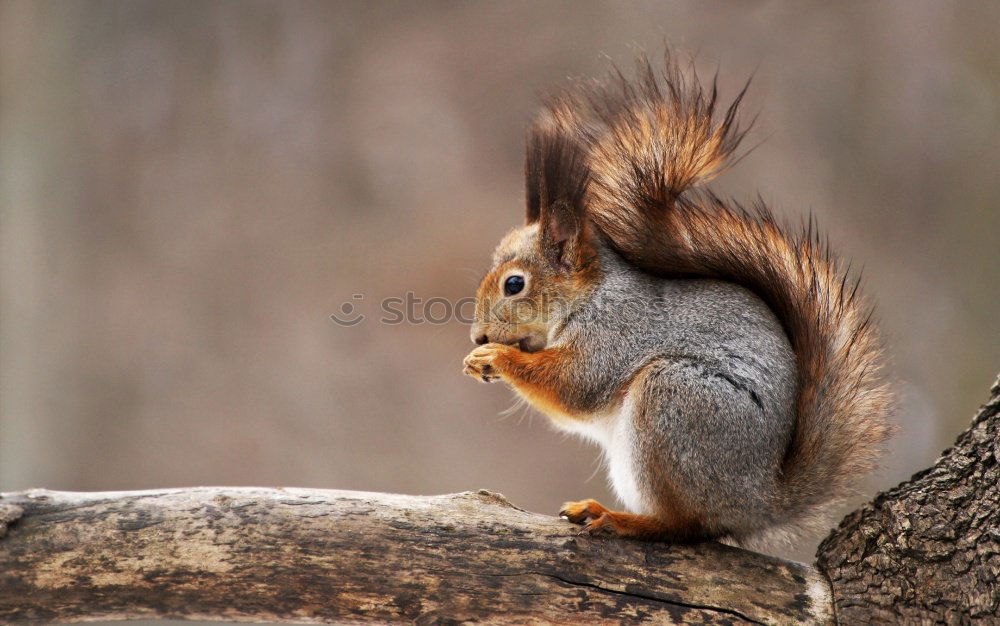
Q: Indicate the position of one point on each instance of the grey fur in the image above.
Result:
(718, 388)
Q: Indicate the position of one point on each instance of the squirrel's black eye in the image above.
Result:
(513, 285)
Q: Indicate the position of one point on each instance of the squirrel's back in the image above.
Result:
(650, 142)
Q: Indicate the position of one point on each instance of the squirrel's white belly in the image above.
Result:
(615, 432)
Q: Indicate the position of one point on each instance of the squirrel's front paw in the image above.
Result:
(482, 363)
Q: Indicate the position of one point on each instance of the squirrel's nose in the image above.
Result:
(481, 339)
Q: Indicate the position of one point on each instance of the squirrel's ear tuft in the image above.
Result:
(556, 176)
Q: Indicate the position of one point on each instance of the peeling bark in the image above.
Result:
(927, 551)
(298, 555)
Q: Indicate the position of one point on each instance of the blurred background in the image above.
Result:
(190, 190)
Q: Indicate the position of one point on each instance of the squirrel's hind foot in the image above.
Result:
(598, 520)
(580, 511)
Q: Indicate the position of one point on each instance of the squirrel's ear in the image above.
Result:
(564, 235)
(556, 177)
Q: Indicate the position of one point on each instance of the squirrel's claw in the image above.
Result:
(601, 520)
(603, 525)
(479, 363)
(482, 373)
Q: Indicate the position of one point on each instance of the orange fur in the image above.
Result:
(540, 377)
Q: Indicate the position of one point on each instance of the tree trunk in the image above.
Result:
(927, 551)
(298, 555)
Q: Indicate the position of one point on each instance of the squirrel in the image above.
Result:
(724, 362)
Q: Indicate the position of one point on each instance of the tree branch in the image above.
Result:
(299, 555)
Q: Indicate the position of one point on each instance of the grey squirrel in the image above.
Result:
(725, 364)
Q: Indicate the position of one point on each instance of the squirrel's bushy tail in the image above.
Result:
(651, 141)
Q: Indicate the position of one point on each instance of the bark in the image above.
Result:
(927, 551)
(298, 555)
